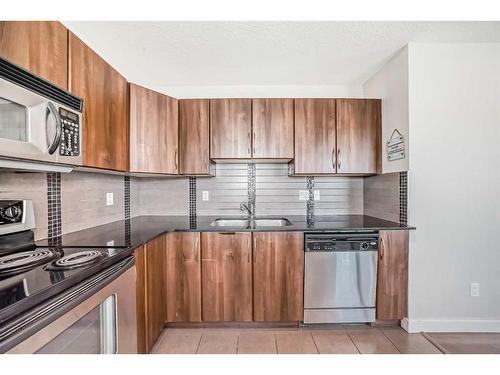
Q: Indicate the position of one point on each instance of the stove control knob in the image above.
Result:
(365, 245)
(12, 213)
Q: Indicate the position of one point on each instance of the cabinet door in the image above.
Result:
(278, 274)
(105, 120)
(392, 276)
(194, 141)
(183, 281)
(156, 309)
(151, 297)
(140, 266)
(358, 135)
(38, 46)
(272, 124)
(314, 136)
(153, 131)
(230, 128)
(226, 269)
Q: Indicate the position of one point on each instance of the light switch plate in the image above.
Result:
(205, 196)
(109, 199)
(303, 195)
(316, 195)
(474, 289)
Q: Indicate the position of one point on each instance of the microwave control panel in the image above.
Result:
(70, 138)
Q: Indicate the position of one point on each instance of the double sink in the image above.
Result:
(251, 223)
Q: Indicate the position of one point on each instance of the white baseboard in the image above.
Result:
(422, 325)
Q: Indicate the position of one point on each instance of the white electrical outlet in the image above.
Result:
(474, 289)
(303, 195)
(205, 196)
(109, 199)
(316, 195)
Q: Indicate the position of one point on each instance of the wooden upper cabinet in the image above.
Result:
(183, 277)
(392, 275)
(194, 137)
(278, 274)
(226, 269)
(153, 131)
(105, 113)
(358, 136)
(315, 136)
(230, 128)
(38, 46)
(272, 127)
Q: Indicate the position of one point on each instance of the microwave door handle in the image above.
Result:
(52, 110)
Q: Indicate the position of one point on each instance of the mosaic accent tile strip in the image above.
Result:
(251, 185)
(126, 188)
(310, 202)
(403, 197)
(192, 202)
(128, 239)
(54, 205)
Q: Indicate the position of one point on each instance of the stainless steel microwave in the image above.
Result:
(38, 121)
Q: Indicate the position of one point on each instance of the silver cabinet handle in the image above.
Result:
(381, 249)
(52, 110)
(249, 149)
(338, 159)
(197, 249)
(334, 159)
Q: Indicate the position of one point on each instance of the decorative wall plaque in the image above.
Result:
(395, 146)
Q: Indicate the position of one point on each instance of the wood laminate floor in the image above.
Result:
(340, 339)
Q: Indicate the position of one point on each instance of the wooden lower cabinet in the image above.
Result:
(278, 276)
(151, 303)
(392, 275)
(226, 269)
(183, 277)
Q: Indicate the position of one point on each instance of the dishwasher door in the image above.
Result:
(340, 286)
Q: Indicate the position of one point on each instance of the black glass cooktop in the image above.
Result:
(33, 275)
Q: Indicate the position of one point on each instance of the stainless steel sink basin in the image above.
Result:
(281, 222)
(247, 223)
(240, 223)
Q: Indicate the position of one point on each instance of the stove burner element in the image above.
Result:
(24, 260)
(82, 258)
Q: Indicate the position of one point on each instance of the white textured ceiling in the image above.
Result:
(168, 54)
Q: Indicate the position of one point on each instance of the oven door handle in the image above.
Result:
(52, 110)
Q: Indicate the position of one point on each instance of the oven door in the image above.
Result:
(103, 323)
(30, 125)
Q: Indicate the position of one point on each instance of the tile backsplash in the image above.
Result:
(83, 195)
(84, 200)
(23, 185)
(382, 198)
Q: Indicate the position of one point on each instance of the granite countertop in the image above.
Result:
(137, 231)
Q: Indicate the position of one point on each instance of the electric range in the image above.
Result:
(29, 277)
(50, 280)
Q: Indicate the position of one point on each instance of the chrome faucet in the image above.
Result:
(249, 208)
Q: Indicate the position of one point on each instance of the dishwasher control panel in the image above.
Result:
(341, 242)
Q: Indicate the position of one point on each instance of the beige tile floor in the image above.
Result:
(349, 339)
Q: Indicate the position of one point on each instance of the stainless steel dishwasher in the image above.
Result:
(340, 277)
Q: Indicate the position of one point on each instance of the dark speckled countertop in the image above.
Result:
(139, 230)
